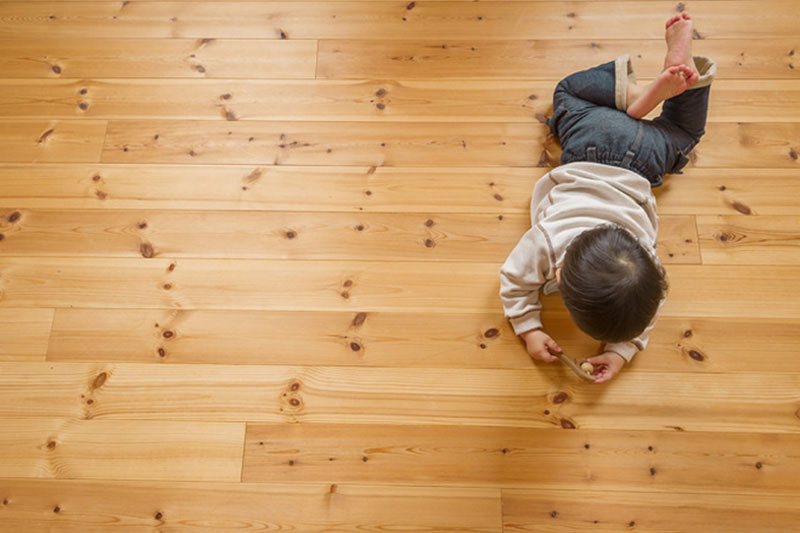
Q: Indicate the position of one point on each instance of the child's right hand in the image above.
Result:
(538, 342)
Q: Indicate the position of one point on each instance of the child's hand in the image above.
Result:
(538, 342)
(607, 366)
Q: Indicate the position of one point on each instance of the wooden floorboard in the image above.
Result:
(696, 290)
(25, 333)
(408, 144)
(601, 460)
(528, 510)
(67, 141)
(766, 240)
(413, 339)
(125, 449)
(195, 506)
(327, 236)
(385, 20)
(87, 57)
(249, 257)
(519, 100)
(524, 397)
(550, 59)
(723, 191)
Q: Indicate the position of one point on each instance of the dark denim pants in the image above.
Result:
(591, 128)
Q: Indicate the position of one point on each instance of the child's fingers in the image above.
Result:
(598, 360)
(547, 357)
(602, 374)
(553, 346)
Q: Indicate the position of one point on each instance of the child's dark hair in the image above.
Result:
(610, 284)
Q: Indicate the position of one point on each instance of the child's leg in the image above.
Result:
(681, 72)
(604, 86)
(689, 110)
(594, 86)
(590, 118)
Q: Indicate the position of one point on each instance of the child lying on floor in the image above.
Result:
(594, 222)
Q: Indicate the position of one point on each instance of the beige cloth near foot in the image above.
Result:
(623, 72)
(623, 69)
(707, 68)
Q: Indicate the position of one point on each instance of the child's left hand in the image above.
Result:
(607, 366)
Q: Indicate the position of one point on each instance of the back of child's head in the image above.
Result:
(610, 284)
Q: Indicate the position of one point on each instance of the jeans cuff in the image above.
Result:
(707, 68)
(623, 72)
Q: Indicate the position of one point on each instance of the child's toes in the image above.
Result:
(673, 20)
(680, 70)
(675, 70)
(686, 16)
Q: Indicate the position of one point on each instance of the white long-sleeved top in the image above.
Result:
(567, 201)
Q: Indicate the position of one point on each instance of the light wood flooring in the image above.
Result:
(249, 259)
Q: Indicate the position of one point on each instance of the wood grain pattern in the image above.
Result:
(513, 457)
(278, 235)
(677, 240)
(51, 141)
(765, 240)
(723, 191)
(249, 261)
(287, 235)
(322, 143)
(762, 191)
(274, 337)
(384, 20)
(85, 57)
(545, 397)
(24, 333)
(774, 145)
(108, 449)
(548, 59)
(612, 511)
(480, 340)
(406, 144)
(516, 100)
(373, 286)
(316, 100)
(120, 506)
(281, 188)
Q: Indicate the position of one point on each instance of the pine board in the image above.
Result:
(56, 448)
(287, 235)
(549, 511)
(550, 59)
(543, 397)
(724, 191)
(526, 101)
(181, 506)
(68, 141)
(385, 20)
(24, 333)
(760, 240)
(407, 144)
(85, 57)
(696, 290)
(598, 460)
(413, 340)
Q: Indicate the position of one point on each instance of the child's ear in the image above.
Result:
(558, 275)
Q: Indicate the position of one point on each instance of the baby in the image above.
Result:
(594, 222)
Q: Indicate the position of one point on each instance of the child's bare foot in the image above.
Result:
(679, 41)
(672, 82)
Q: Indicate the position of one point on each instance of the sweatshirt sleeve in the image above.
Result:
(628, 349)
(521, 277)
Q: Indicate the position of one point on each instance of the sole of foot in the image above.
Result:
(679, 31)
